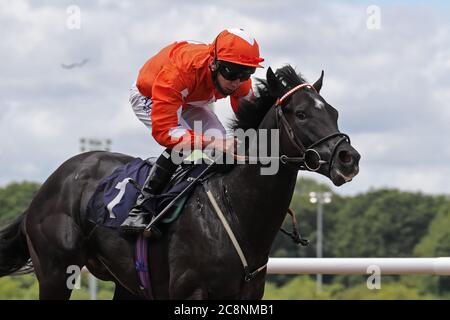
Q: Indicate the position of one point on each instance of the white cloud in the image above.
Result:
(390, 85)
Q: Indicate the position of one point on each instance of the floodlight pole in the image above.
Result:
(320, 198)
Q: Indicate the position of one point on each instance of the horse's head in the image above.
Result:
(309, 134)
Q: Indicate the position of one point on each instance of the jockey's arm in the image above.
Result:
(167, 100)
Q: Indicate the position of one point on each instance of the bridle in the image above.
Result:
(300, 162)
(307, 154)
(308, 157)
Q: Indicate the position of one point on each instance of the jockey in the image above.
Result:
(175, 87)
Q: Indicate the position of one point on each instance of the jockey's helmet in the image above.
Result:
(235, 56)
(238, 47)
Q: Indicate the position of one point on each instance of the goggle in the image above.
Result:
(232, 75)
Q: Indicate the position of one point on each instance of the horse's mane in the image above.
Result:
(250, 114)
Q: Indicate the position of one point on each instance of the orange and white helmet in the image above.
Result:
(237, 46)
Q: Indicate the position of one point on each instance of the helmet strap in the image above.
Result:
(214, 72)
(215, 68)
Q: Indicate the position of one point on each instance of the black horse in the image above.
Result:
(195, 258)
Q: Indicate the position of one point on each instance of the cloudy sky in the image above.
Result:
(387, 70)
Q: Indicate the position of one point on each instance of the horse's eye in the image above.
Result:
(301, 115)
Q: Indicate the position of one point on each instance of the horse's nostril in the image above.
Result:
(345, 157)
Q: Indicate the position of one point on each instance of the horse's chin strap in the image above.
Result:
(249, 275)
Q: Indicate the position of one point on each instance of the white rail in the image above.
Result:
(387, 266)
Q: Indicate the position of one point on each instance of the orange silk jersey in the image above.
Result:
(178, 77)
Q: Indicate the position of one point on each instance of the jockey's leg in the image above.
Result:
(164, 167)
(159, 175)
(204, 115)
(162, 170)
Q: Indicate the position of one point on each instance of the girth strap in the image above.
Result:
(248, 275)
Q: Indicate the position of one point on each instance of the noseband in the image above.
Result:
(301, 162)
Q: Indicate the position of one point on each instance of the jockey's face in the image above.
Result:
(231, 75)
(228, 87)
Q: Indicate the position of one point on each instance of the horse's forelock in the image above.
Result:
(288, 77)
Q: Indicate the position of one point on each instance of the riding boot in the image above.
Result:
(138, 217)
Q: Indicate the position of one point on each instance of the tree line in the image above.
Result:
(376, 223)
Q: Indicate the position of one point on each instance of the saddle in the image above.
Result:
(116, 194)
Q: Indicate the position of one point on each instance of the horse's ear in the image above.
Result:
(318, 84)
(273, 83)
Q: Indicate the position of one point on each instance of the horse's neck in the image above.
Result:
(261, 196)
(260, 202)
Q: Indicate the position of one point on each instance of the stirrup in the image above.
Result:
(127, 228)
(135, 222)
